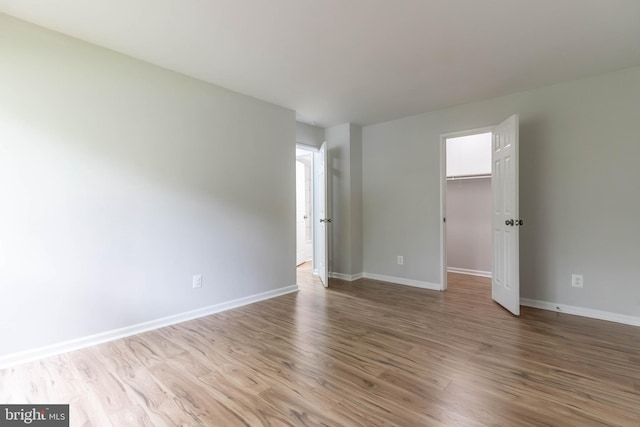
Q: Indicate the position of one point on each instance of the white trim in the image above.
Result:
(469, 132)
(443, 210)
(581, 311)
(314, 203)
(403, 281)
(308, 147)
(102, 337)
(469, 272)
(347, 277)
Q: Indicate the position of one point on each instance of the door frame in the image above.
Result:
(443, 193)
(314, 202)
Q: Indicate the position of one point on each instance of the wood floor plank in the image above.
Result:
(258, 411)
(193, 398)
(299, 409)
(133, 416)
(362, 353)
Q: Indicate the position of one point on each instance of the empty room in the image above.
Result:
(250, 213)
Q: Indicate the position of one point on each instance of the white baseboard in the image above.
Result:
(91, 340)
(581, 311)
(469, 272)
(403, 281)
(347, 277)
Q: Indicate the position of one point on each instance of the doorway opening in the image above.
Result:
(312, 221)
(468, 201)
(467, 158)
(304, 206)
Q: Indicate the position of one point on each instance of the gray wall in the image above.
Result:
(309, 135)
(579, 181)
(356, 199)
(120, 180)
(469, 245)
(345, 177)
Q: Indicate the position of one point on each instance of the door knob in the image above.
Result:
(519, 222)
(326, 220)
(509, 222)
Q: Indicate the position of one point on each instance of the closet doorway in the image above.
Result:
(468, 201)
(464, 158)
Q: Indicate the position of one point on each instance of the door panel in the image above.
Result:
(321, 221)
(505, 286)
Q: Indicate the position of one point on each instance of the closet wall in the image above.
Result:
(469, 225)
(469, 246)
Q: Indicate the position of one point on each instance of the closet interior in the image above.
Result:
(468, 204)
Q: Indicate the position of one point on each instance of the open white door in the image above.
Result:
(505, 283)
(300, 213)
(323, 222)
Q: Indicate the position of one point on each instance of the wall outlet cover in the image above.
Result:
(197, 281)
(577, 280)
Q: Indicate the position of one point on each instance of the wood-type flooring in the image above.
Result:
(360, 353)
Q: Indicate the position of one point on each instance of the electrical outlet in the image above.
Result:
(400, 260)
(577, 280)
(197, 281)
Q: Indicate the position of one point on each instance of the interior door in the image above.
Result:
(505, 283)
(300, 214)
(323, 220)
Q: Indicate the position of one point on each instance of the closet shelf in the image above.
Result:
(456, 178)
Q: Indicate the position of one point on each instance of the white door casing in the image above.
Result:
(322, 221)
(300, 213)
(505, 282)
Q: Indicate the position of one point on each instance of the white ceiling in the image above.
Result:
(360, 61)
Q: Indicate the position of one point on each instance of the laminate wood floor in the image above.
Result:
(360, 353)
